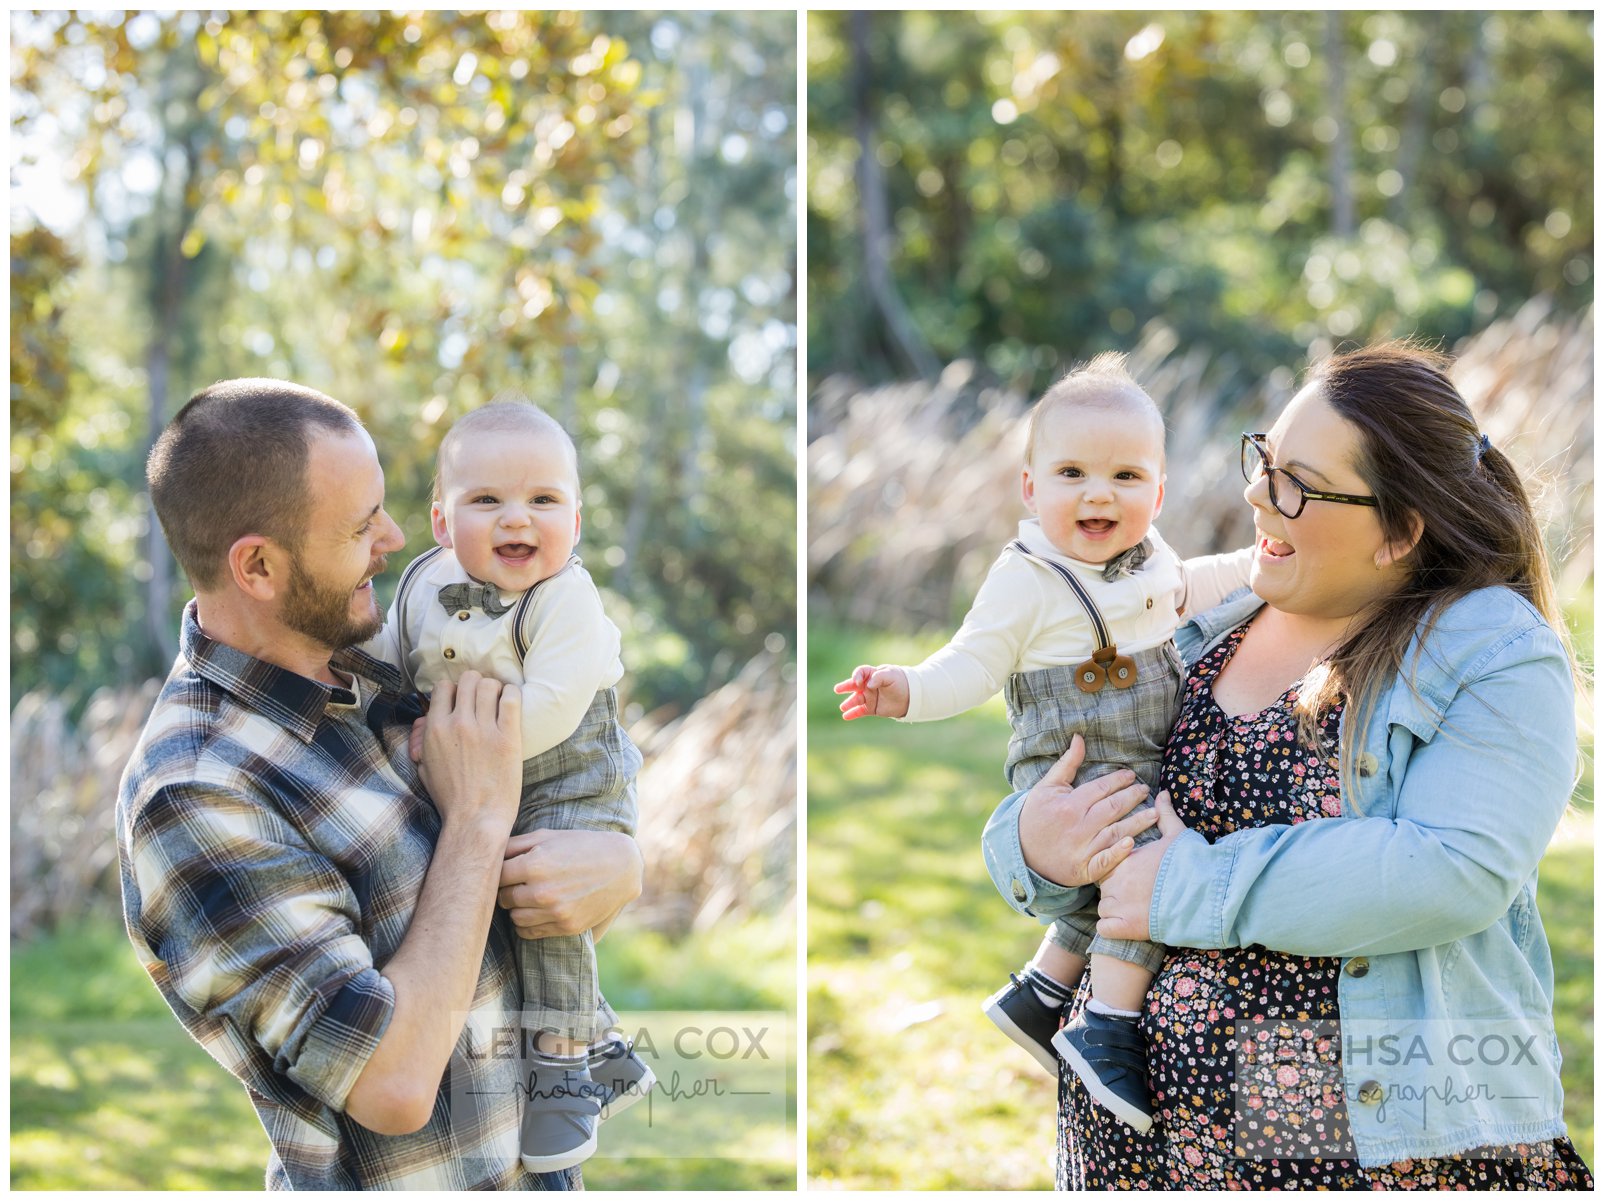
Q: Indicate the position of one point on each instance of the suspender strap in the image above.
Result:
(402, 591)
(1098, 625)
(520, 643)
(520, 611)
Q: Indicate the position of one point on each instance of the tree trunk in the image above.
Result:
(1478, 69)
(1114, 130)
(650, 430)
(876, 219)
(701, 223)
(568, 385)
(171, 280)
(1422, 76)
(1342, 215)
(159, 589)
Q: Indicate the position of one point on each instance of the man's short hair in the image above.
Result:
(508, 413)
(234, 462)
(1103, 383)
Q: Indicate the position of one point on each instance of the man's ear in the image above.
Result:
(437, 522)
(257, 566)
(1399, 549)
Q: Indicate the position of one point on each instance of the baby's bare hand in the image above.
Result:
(875, 692)
(857, 703)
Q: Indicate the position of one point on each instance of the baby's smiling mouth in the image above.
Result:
(1098, 525)
(516, 551)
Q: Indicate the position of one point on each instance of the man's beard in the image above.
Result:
(323, 613)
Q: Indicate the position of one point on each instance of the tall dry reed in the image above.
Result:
(914, 488)
(717, 799)
(63, 787)
(718, 802)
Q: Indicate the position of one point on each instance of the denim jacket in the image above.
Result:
(1427, 891)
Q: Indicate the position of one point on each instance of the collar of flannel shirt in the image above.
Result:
(291, 700)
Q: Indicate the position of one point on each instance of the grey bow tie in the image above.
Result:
(1127, 561)
(456, 597)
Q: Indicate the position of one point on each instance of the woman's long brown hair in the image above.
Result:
(1421, 455)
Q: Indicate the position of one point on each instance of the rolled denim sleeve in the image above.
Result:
(1027, 891)
(1477, 800)
(256, 931)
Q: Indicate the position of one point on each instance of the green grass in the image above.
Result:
(1565, 898)
(109, 1092)
(126, 1105)
(909, 1086)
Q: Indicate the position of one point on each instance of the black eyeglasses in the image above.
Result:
(1287, 492)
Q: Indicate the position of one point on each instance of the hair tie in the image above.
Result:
(1482, 447)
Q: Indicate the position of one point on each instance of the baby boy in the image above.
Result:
(1074, 624)
(504, 595)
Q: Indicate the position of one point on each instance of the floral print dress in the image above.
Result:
(1276, 1014)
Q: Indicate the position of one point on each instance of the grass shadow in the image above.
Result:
(108, 1092)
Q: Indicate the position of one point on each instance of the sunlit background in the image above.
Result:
(1265, 183)
(1227, 196)
(410, 212)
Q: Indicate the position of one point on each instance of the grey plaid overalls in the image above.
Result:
(585, 782)
(1122, 727)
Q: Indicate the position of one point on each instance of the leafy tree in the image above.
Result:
(1059, 181)
(412, 212)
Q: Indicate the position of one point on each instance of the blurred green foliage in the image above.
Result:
(411, 212)
(1056, 181)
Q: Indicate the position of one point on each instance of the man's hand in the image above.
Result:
(471, 767)
(471, 749)
(1127, 895)
(568, 881)
(1075, 835)
(875, 692)
(415, 739)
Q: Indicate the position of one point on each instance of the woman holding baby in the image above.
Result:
(1373, 750)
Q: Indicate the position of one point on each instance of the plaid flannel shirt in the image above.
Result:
(273, 836)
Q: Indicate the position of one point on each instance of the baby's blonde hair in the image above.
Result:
(1105, 382)
(507, 413)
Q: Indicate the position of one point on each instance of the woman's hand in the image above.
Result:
(568, 881)
(1127, 891)
(1074, 835)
